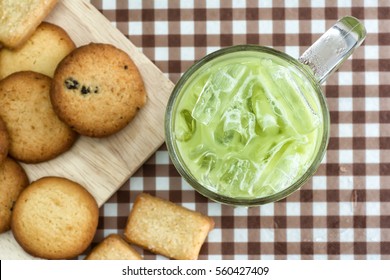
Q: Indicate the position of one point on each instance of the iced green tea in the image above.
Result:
(247, 124)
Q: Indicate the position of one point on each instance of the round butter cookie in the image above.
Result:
(55, 218)
(36, 133)
(97, 90)
(4, 141)
(13, 180)
(42, 52)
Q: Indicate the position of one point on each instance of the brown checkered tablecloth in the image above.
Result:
(343, 212)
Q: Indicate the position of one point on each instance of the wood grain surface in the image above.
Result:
(103, 165)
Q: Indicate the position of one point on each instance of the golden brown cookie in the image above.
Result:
(113, 247)
(166, 228)
(13, 180)
(19, 19)
(36, 132)
(4, 141)
(55, 218)
(42, 52)
(97, 90)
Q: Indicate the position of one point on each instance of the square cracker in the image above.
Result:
(166, 228)
(19, 19)
(113, 247)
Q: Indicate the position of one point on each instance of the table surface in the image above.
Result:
(343, 212)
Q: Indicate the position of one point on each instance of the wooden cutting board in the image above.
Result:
(103, 165)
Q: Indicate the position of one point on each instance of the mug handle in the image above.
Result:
(329, 52)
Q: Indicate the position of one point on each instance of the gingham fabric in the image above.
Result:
(343, 212)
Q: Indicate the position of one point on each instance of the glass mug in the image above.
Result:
(249, 125)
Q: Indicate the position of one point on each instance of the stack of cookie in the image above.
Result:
(48, 98)
(51, 92)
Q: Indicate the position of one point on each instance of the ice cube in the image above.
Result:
(203, 155)
(205, 159)
(245, 90)
(228, 77)
(236, 128)
(281, 167)
(284, 173)
(207, 104)
(207, 163)
(267, 115)
(284, 90)
(185, 127)
(275, 154)
(212, 98)
(294, 89)
(237, 175)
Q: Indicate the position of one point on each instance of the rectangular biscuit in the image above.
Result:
(113, 247)
(19, 19)
(166, 228)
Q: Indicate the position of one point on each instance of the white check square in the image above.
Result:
(373, 234)
(344, 3)
(267, 235)
(241, 234)
(373, 182)
(161, 53)
(373, 208)
(133, 4)
(346, 235)
(345, 78)
(371, 25)
(371, 78)
(346, 156)
(161, 27)
(215, 235)
(320, 235)
(265, 27)
(292, 51)
(162, 157)
(135, 28)
(371, 52)
(163, 183)
(291, 26)
(212, 4)
(372, 156)
(372, 130)
(187, 4)
(108, 5)
(346, 182)
(319, 182)
(187, 27)
(293, 235)
(161, 4)
(372, 103)
(239, 27)
(345, 104)
(110, 209)
(318, 26)
(187, 53)
(239, 4)
(293, 209)
(213, 27)
(345, 130)
(136, 183)
(345, 208)
(320, 209)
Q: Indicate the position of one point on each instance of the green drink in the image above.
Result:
(248, 125)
